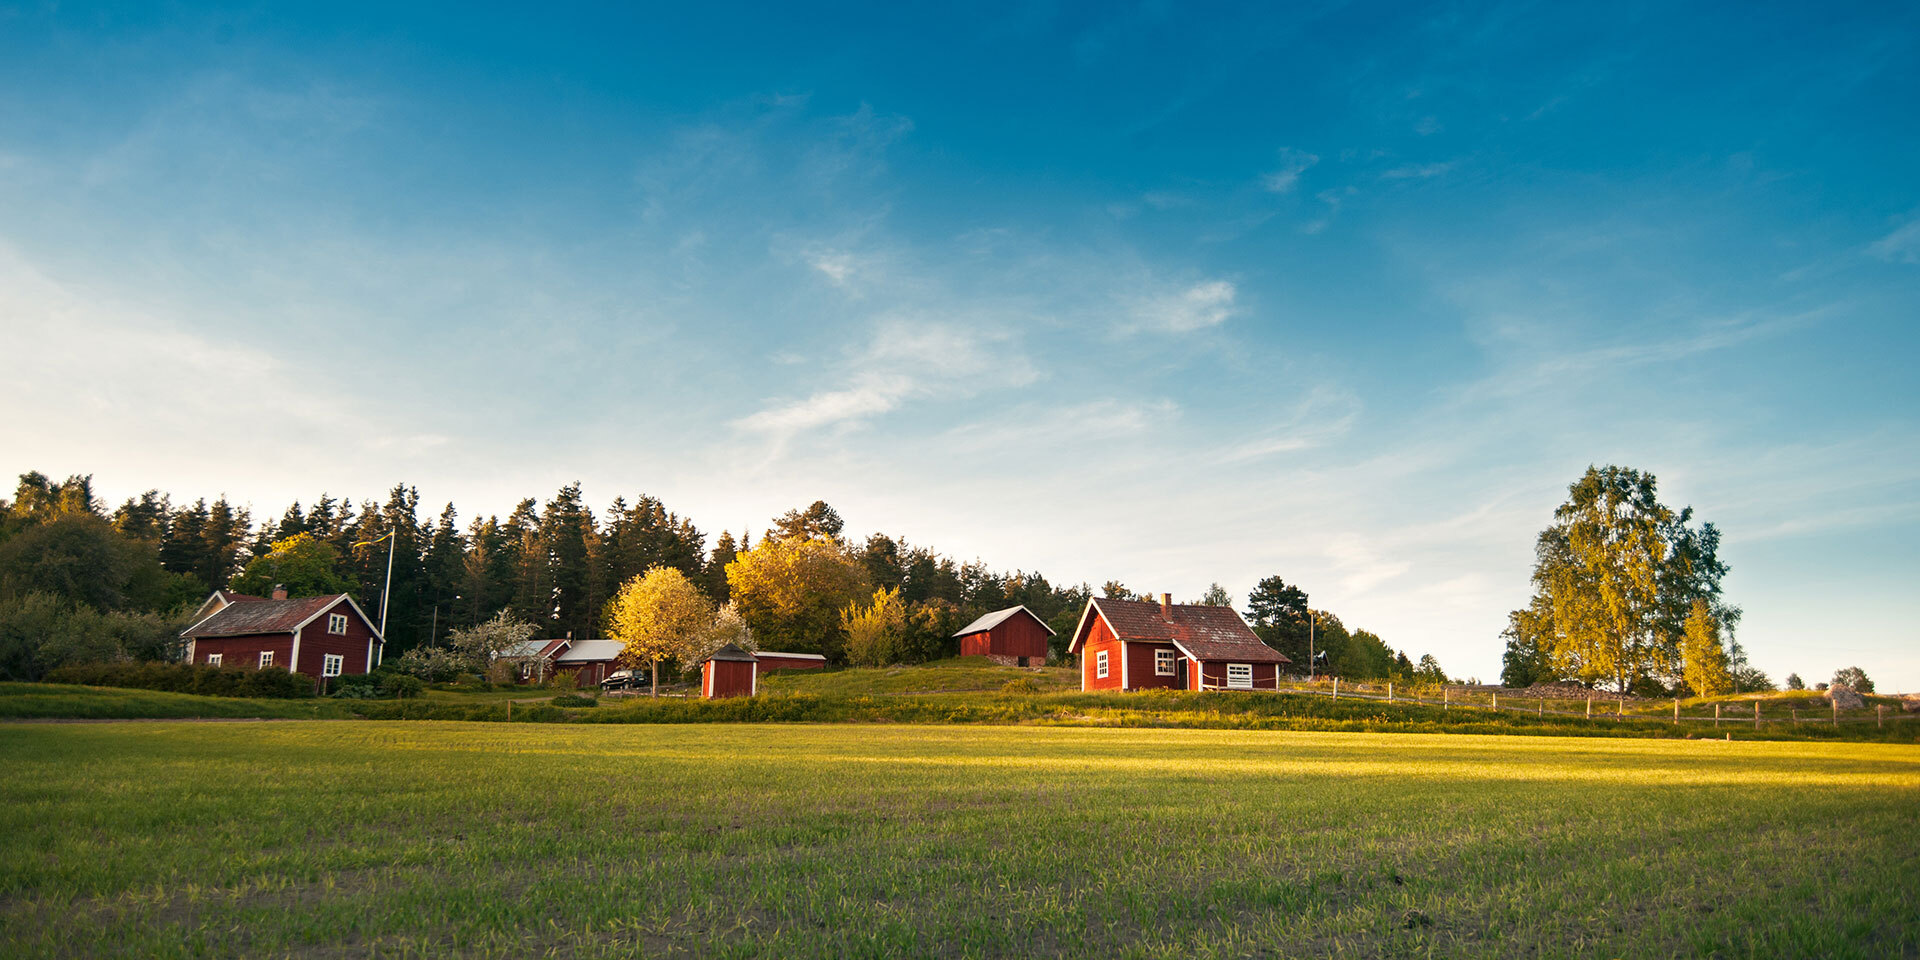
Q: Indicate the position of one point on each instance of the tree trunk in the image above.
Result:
(655, 672)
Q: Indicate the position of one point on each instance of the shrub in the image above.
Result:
(1853, 677)
(234, 681)
(574, 700)
(1020, 685)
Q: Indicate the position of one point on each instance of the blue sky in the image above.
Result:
(1347, 293)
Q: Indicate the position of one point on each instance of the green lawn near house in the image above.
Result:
(955, 675)
(855, 840)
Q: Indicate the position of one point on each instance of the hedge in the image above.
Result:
(233, 681)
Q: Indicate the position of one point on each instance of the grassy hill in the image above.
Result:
(957, 675)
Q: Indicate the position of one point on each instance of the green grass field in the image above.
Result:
(339, 839)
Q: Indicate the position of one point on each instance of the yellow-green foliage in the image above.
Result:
(497, 840)
(1704, 659)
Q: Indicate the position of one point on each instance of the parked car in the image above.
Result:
(624, 680)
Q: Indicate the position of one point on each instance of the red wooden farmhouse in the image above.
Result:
(1013, 636)
(1142, 645)
(318, 636)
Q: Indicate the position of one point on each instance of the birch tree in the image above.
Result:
(657, 616)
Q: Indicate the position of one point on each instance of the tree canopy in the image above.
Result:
(1616, 575)
(300, 563)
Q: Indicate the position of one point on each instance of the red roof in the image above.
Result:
(256, 616)
(1205, 633)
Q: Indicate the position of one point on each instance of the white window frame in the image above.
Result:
(266, 659)
(1245, 679)
(213, 659)
(331, 664)
(1099, 664)
(337, 624)
(1163, 663)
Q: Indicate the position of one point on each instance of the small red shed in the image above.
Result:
(730, 672)
(1014, 636)
(1141, 645)
(318, 636)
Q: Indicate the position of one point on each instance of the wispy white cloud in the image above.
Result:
(1286, 176)
(905, 358)
(1201, 306)
(1900, 246)
(1323, 415)
(1418, 171)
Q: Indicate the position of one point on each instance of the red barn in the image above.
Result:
(730, 672)
(318, 636)
(1142, 645)
(1013, 636)
(770, 660)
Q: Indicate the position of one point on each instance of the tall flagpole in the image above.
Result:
(386, 590)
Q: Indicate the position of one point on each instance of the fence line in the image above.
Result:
(1619, 714)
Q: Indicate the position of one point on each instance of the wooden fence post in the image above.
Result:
(1756, 714)
(1880, 715)
(1543, 706)
(1496, 701)
(1389, 691)
(1589, 706)
(1336, 688)
(1716, 715)
(1676, 711)
(1836, 709)
(1446, 698)
(1620, 709)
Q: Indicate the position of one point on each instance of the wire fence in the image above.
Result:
(1751, 714)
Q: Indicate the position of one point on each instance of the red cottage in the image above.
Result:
(1141, 645)
(1013, 636)
(730, 672)
(317, 636)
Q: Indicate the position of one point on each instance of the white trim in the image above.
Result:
(266, 660)
(337, 659)
(294, 666)
(1171, 670)
(190, 650)
(1073, 645)
(1009, 612)
(1123, 660)
(356, 609)
(369, 660)
(331, 619)
(1100, 669)
(216, 660)
(753, 679)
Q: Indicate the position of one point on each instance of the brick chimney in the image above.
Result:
(1166, 605)
(279, 591)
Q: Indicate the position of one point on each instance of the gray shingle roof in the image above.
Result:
(732, 652)
(248, 617)
(1205, 632)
